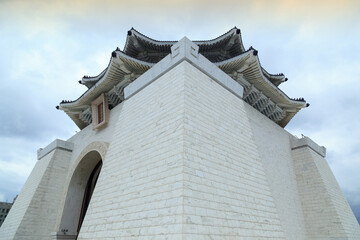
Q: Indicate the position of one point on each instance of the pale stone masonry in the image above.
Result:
(194, 148)
(326, 211)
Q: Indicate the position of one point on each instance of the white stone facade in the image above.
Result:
(184, 157)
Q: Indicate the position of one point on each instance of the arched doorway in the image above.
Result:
(79, 194)
(90, 186)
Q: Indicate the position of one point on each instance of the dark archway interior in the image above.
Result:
(90, 186)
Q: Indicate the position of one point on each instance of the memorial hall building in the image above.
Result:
(182, 140)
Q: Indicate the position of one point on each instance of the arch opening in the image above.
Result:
(79, 194)
(89, 189)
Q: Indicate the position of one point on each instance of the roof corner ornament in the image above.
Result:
(282, 80)
(254, 51)
(175, 50)
(185, 48)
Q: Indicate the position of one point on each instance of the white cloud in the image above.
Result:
(17, 158)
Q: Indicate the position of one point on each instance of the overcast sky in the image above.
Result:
(47, 46)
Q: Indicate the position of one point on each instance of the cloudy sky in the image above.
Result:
(47, 46)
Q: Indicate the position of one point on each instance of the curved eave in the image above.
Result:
(275, 91)
(136, 40)
(276, 79)
(136, 43)
(230, 41)
(89, 81)
(232, 32)
(120, 65)
(254, 75)
(247, 70)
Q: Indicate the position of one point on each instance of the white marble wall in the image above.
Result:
(139, 193)
(35, 211)
(273, 143)
(226, 192)
(327, 214)
(185, 158)
(182, 165)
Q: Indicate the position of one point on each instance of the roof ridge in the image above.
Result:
(238, 31)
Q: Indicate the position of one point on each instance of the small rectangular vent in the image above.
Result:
(100, 112)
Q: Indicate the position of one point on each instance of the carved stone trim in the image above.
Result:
(56, 144)
(100, 147)
(307, 142)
